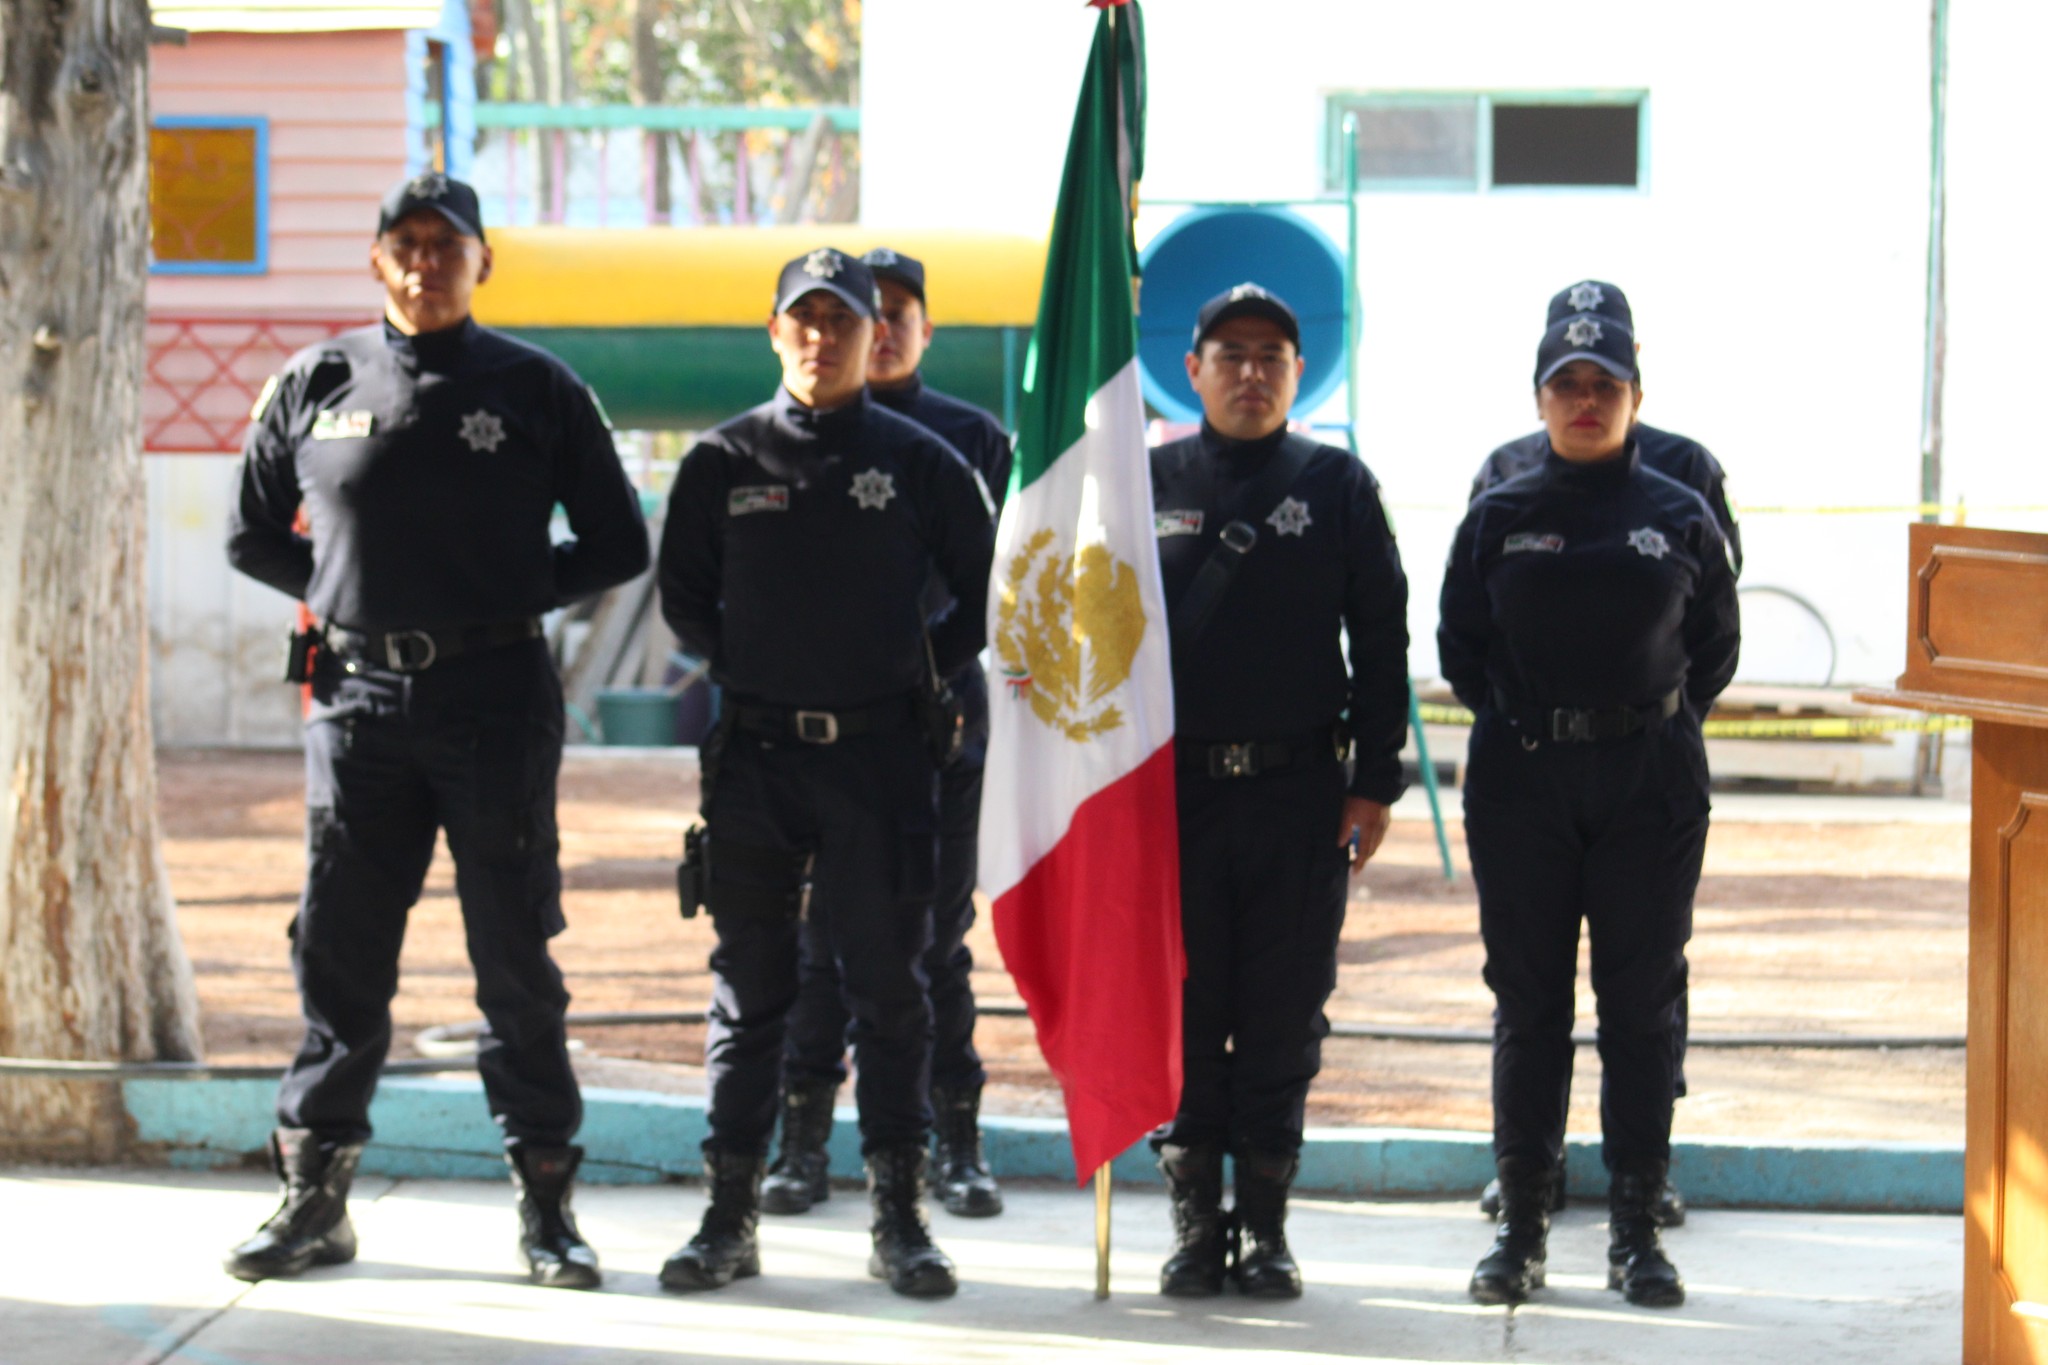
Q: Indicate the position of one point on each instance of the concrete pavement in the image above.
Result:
(120, 1267)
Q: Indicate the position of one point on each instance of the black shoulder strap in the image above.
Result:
(1237, 538)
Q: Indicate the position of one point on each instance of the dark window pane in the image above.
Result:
(1565, 144)
(1437, 141)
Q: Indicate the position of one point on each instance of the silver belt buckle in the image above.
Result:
(1571, 726)
(817, 727)
(1233, 760)
(398, 652)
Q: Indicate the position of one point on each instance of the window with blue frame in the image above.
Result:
(1520, 140)
(209, 196)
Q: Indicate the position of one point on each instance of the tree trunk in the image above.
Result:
(649, 87)
(91, 966)
(530, 69)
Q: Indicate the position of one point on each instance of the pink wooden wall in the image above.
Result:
(336, 106)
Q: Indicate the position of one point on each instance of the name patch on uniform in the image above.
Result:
(1177, 523)
(1529, 540)
(329, 425)
(760, 497)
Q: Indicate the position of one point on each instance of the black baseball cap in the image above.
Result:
(832, 270)
(907, 271)
(1588, 336)
(1246, 300)
(450, 198)
(1590, 296)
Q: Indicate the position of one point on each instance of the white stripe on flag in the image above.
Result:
(1098, 491)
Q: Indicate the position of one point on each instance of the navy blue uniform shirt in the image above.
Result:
(429, 468)
(1270, 664)
(797, 546)
(975, 434)
(1588, 586)
(1673, 456)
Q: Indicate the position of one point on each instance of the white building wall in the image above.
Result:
(1996, 454)
(216, 636)
(1775, 256)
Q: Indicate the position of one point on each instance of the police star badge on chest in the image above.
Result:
(482, 430)
(873, 489)
(1290, 518)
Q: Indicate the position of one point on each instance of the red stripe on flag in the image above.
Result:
(1091, 936)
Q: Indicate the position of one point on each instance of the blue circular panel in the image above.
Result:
(1203, 253)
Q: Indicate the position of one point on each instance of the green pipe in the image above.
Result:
(668, 118)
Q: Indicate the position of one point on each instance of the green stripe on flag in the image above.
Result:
(1087, 329)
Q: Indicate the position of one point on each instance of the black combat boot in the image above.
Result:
(1489, 1198)
(1667, 1210)
(1194, 1189)
(724, 1248)
(966, 1186)
(1636, 1264)
(800, 1176)
(1264, 1268)
(904, 1253)
(311, 1227)
(1513, 1267)
(556, 1254)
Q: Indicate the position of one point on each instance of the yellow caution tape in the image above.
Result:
(1791, 727)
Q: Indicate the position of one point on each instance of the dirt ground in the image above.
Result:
(1857, 929)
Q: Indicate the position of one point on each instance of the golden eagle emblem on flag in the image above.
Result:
(1067, 631)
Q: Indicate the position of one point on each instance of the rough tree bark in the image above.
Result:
(650, 87)
(91, 966)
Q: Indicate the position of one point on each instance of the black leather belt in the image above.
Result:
(412, 651)
(1253, 757)
(1585, 725)
(820, 727)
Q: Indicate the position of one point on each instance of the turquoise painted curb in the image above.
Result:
(438, 1129)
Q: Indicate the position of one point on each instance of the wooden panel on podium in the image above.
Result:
(1977, 646)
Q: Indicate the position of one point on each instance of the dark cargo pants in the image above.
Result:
(472, 747)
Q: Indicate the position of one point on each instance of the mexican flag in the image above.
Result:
(1079, 849)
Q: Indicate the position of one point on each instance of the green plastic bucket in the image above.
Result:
(644, 717)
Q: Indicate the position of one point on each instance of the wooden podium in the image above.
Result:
(1977, 646)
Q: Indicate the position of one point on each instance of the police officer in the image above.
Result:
(799, 541)
(1668, 453)
(1676, 457)
(1589, 620)
(1274, 550)
(814, 1061)
(428, 455)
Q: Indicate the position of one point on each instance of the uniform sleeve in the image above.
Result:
(1464, 617)
(1376, 623)
(690, 569)
(261, 541)
(962, 539)
(1713, 624)
(996, 473)
(608, 537)
(1713, 486)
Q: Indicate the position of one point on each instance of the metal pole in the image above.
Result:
(1102, 1231)
(1936, 352)
(1349, 132)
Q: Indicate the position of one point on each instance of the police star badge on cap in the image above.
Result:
(832, 271)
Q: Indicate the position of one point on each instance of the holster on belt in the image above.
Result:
(741, 879)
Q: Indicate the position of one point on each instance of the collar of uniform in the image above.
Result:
(1609, 473)
(809, 424)
(1218, 446)
(432, 351)
(902, 397)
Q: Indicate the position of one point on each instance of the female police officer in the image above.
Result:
(1589, 621)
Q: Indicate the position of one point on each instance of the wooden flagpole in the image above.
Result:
(1102, 1231)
